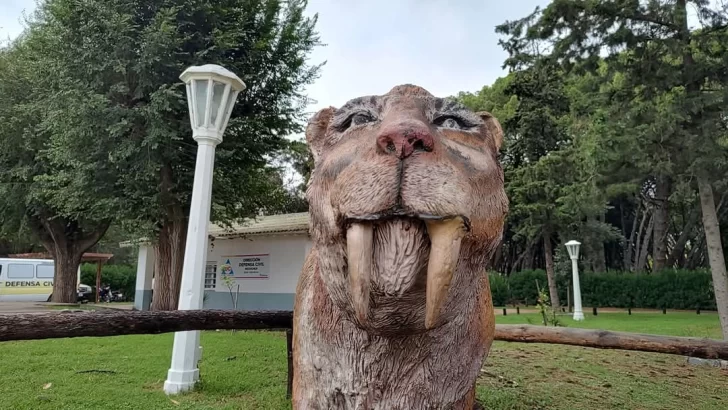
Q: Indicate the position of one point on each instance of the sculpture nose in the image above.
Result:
(403, 139)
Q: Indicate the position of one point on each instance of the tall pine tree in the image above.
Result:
(666, 61)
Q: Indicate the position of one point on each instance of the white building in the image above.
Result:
(264, 258)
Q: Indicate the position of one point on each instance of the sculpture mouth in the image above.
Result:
(401, 214)
(444, 233)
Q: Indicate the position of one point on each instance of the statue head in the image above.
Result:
(407, 205)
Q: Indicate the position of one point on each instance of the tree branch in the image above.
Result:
(41, 231)
(89, 239)
(636, 16)
(647, 19)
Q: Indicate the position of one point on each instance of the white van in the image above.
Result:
(27, 280)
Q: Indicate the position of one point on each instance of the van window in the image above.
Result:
(44, 271)
(20, 271)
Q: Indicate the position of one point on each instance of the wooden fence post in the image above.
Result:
(289, 345)
(98, 280)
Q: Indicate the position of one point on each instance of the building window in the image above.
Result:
(44, 271)
(18, 271)
(210, 276)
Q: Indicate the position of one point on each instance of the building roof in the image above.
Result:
(296, 223)
(264, 225)
(87, 257)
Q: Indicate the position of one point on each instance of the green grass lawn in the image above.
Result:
(674, 324)
(539, 376)
(247, 370)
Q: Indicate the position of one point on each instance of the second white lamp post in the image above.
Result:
(211, 94)
(573, 248)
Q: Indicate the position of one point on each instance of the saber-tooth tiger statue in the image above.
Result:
(393, 307)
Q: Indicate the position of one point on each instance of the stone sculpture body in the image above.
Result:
(393, 307)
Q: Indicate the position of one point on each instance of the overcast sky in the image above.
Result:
(372, 45)
(443, 46)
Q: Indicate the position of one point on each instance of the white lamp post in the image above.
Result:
(573, 248)
(211, 94)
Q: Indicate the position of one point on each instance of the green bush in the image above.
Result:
(672, 289)
(499, 289)
(119, 277)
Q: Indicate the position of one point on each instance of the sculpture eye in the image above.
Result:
(450, 123)
(361, 118)
(354, 119)
(453, 122)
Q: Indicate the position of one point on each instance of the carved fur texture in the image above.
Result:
(396, 164)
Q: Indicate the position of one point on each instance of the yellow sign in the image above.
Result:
(25, 287)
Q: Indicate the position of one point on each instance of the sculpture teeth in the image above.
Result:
(445, 239)
(360, 252)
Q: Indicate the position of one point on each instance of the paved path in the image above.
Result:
(115, 306)
(23, 307)
(40, 307)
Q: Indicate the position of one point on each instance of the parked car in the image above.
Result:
(85, 293)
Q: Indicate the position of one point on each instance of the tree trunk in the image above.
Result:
(527, 263)
(639, 238)
(711, 227)
(170, 247)
(629, 250)
(642, 260)
(678, 251)
(66, 241)
(169, 252)
(517, 265)
(549, 257)
(497, 258)
(623, 226)
(661, 222)
(600, 258)
(696, 256)
(65, 276)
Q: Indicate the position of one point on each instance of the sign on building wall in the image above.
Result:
(245, 266)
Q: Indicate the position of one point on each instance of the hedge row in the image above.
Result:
(673, 289)
(668, 289)
(119, 277)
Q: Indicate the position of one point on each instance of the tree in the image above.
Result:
(120, 60)
(295, 162)
(662, 64)
(537, 130)
(63, 203)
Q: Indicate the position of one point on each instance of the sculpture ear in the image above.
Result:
(316, 131)
(493, 127)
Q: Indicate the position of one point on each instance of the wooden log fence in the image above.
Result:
(67, 324)
(70, 324)
(603, 339)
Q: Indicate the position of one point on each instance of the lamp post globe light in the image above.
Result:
(211, 94)
(573, 248)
